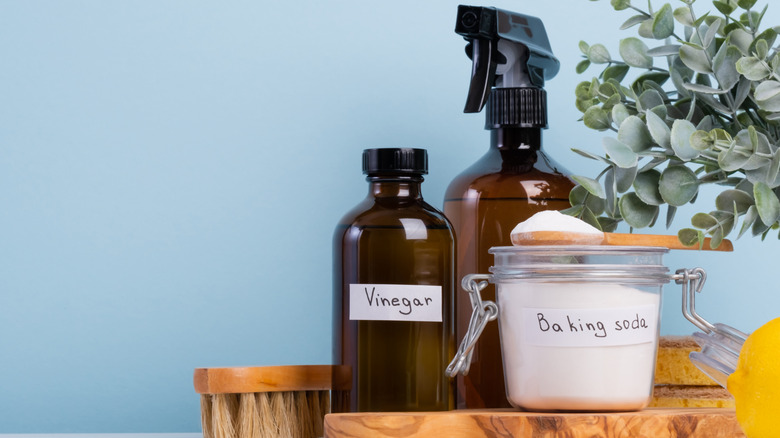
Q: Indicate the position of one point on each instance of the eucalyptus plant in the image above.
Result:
(702, 107)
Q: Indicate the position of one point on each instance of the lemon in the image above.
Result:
(755, 384)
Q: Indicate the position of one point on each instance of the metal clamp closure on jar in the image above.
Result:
(483, 312)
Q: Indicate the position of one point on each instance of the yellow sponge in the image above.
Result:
(673, 367)
(682, 396)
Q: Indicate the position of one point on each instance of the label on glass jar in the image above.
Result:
(590, 327)
(395, 302)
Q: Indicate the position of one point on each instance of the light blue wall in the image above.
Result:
(171, 173)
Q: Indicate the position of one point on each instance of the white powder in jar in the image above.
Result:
(552, 220)
(578, 345)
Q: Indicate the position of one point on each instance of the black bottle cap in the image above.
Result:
(516, 108)
(395, 160)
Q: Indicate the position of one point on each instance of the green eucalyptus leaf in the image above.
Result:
(619, 5)
(767, 204)
(633, 21)
(646, 187)
(767, 174)
(596, 118)
(724, 66)
(608, 90)
(746, 4)
(701, 140)
(734, 199)
(745, 185)
(582, 66)
(598, 54)
(725, 7)
(661, 111)
(701, 20)
(717, 237)
(653, 79)
(757, 148)
(667, 50)
(742, 39)
(759, 227)
(725, 220)
(608, 225)
(619, 114)
(575, 210)
(752, 68)
(704, 221)
(582, 90)
(633, 132)
(611, 190)
(636, 213)
(634, 53)
(659, 130)
(671, 210)
(732, 158)
(655, 162)
(750, 19)
(646, 29)
(683, 16)
(767, 38)
(767, 95)
(749, 219)
(624, 178)
(681, 140)
(591, 156)
(709, 37)
(761, 49)
(650, 99)
(704, 89)
(583, 104)
(579, 195)
(678, 185)
(705, 124)
(690, 237)
(663, 22)
(595, 205)
(620, 153)
(591, 185)
(611, 102)
(616, 72)
(695, 58)
(590, 218)
(743, 89)
(715, 104)
(584, 47)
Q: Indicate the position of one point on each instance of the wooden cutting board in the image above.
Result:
(650, 423)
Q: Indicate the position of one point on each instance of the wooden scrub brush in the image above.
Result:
(273, 401)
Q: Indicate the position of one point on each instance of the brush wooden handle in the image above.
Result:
(613, 239)
(235, 380)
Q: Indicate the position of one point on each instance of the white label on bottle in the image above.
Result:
(590, 327)
(395, 302)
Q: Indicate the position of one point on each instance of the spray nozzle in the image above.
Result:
(507, 49)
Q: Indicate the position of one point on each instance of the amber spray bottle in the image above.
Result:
(511, 58)
(393, 291)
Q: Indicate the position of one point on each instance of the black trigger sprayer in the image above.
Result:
(513, 180)
(508, 51)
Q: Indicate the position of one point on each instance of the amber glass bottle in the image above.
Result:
(393, 284)
(511, 182)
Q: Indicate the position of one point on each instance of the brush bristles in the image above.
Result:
(264, 415)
